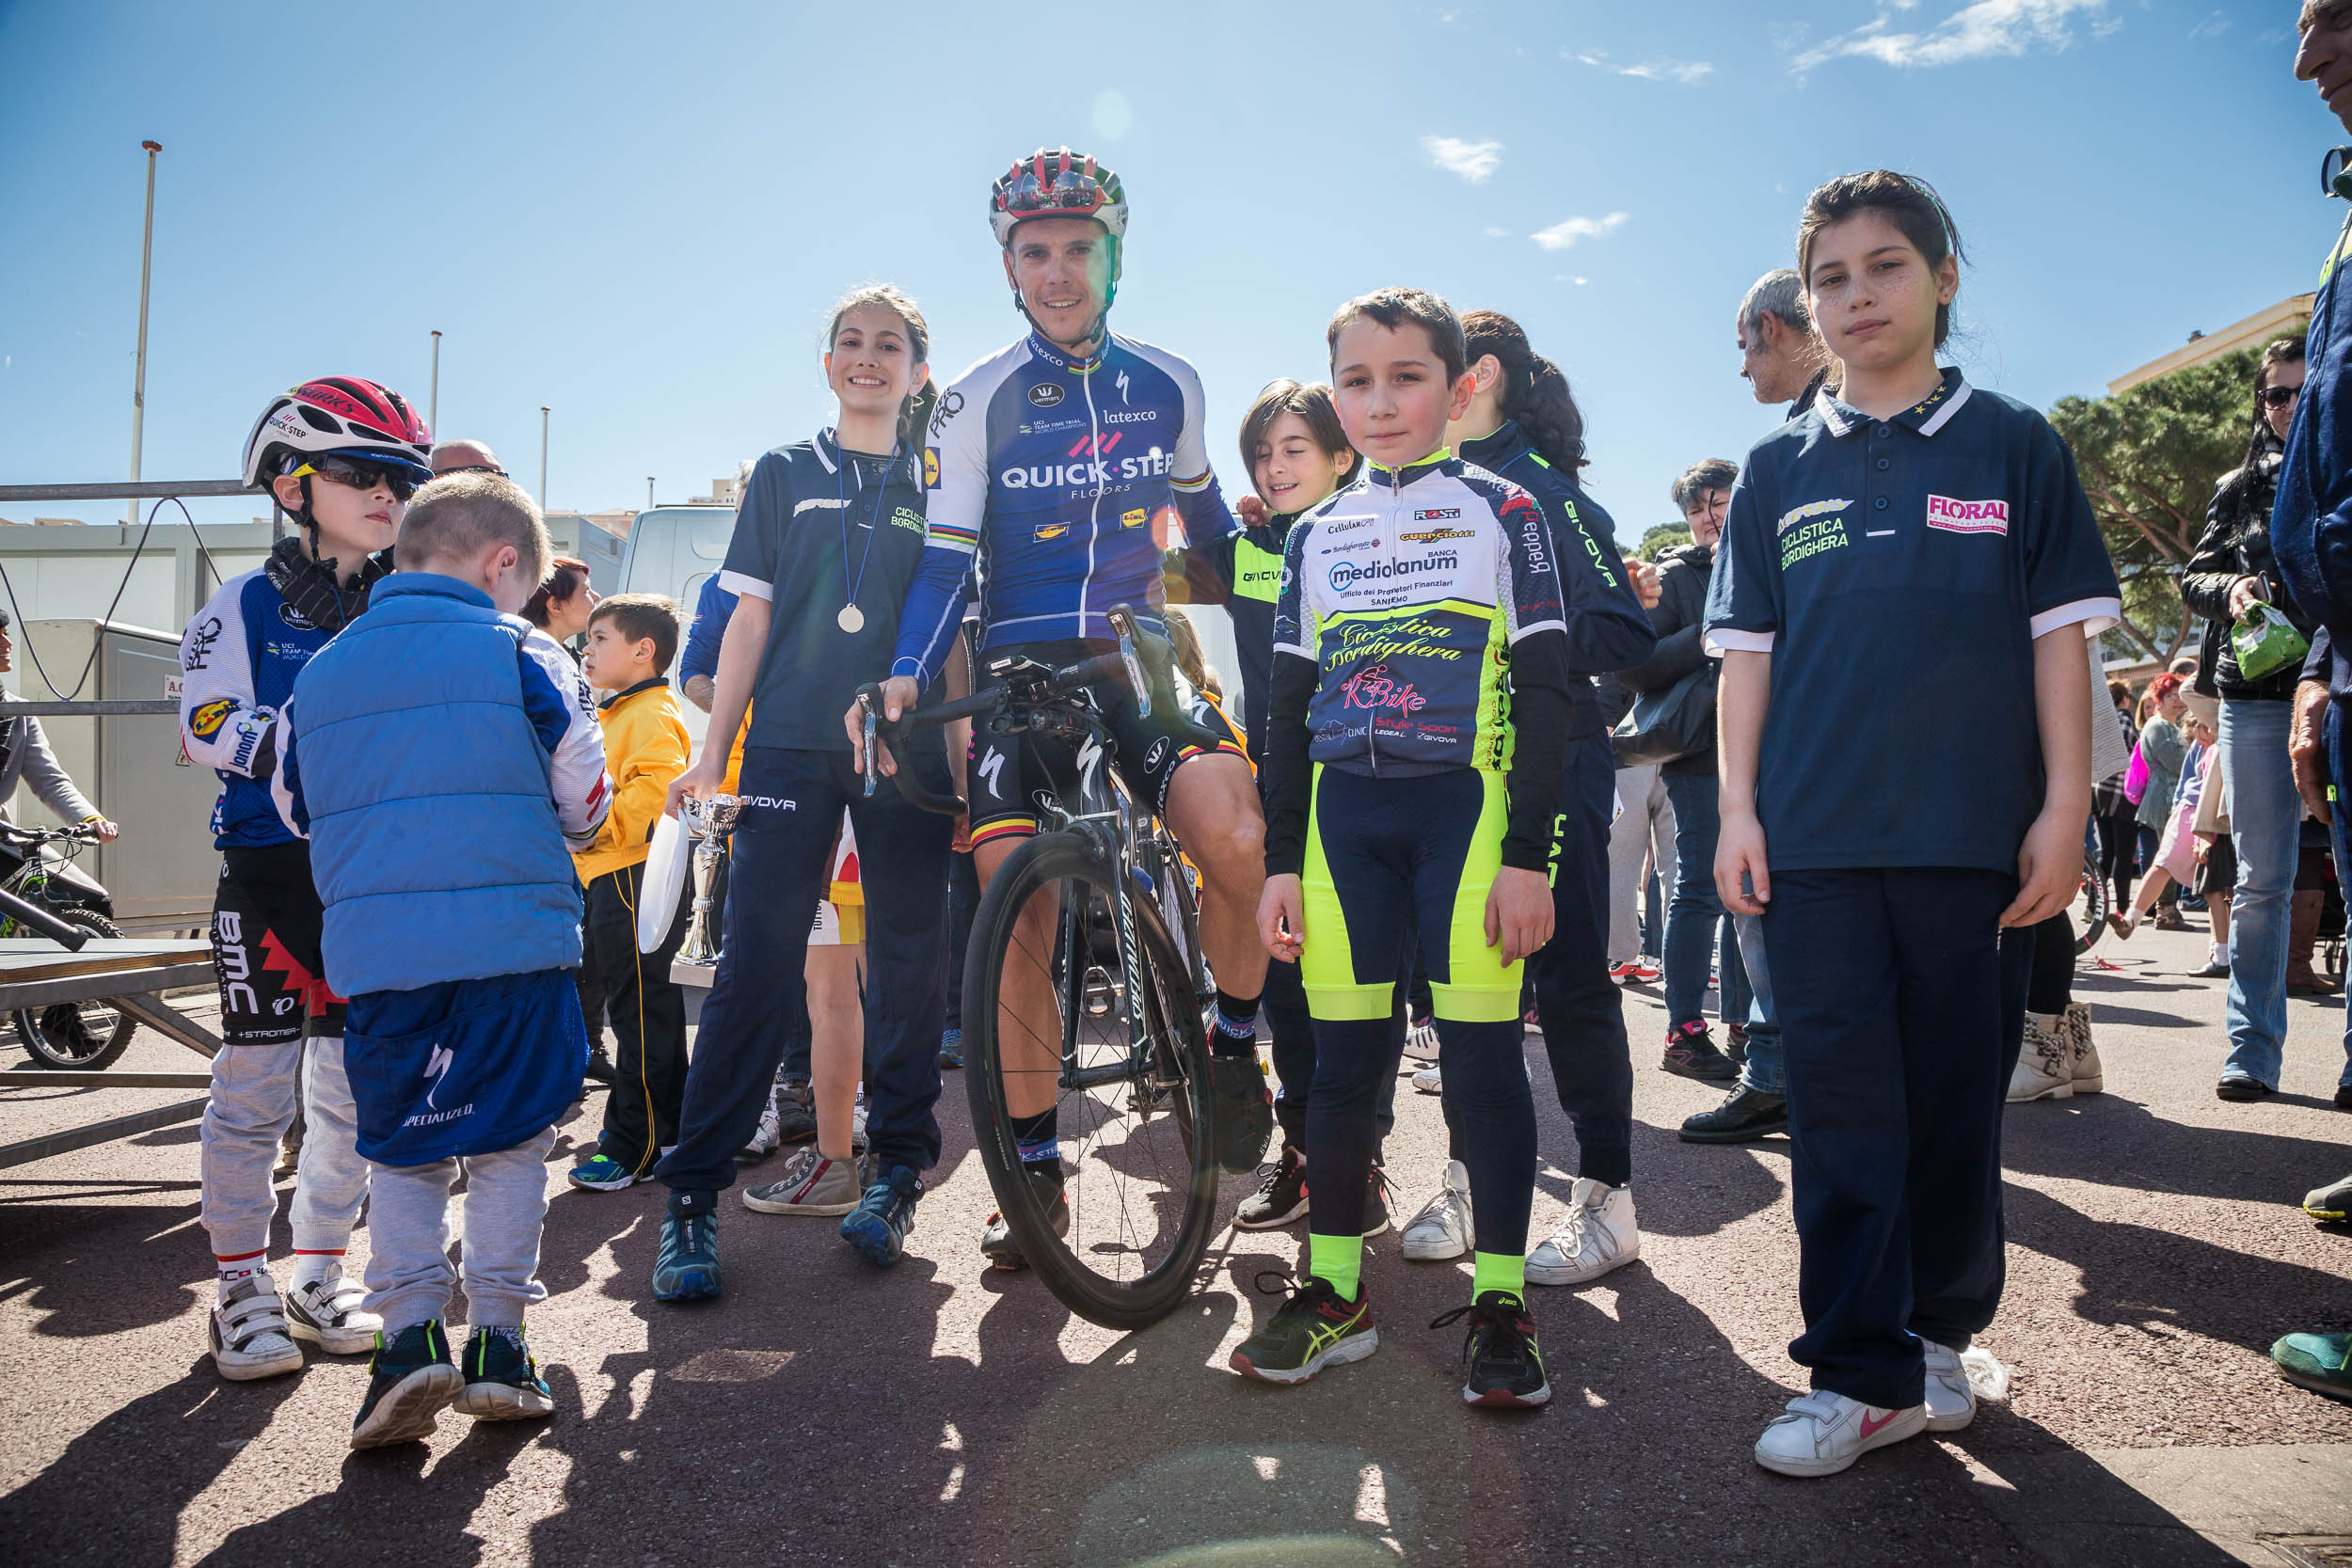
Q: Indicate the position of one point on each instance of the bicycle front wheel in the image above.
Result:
(1046, 1026)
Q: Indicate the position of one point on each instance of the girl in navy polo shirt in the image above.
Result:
(1910, 538)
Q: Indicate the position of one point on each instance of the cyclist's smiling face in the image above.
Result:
(1062, 267)
(1390, 386)
(872, 364)
(1292, 471)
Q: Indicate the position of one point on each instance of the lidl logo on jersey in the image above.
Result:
(1431, 535)
(1956, 517)
(930, 468)
(1133, 519)
(205, 722)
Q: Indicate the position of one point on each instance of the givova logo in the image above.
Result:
(1350, 574)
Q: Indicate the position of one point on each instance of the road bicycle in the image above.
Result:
(37, 864)
(1084, 989)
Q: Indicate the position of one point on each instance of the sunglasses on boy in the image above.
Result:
(361, 476)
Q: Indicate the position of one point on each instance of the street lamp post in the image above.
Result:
(543, 458)
(432, 404)
(138, 385)
(649, 492)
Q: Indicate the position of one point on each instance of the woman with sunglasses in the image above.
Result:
(342, 456)
(2271, 926)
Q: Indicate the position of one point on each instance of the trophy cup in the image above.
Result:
(708, 822)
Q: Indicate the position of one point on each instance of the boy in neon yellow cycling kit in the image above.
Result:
(1413, 753)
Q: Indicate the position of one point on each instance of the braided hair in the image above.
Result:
(1535, 395)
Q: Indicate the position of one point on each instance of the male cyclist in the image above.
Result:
(1059, 464)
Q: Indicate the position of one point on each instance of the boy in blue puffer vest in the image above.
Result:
(443, 759)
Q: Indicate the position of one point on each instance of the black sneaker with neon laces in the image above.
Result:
(1312, 1330)
(503, 1381)
(1503, 1365)
(410, 1382)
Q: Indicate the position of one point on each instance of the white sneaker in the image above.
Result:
(1428, 1080)
(1823, 1432)
(326, 1311)
(247, 1332)
(1599, 1234)
(1421, 1038)
(1951, 1402)
(767, 1137)
(2045, 1068)
(2074, 1029)
(1442, 1229)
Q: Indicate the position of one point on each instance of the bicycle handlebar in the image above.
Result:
(1144, 662)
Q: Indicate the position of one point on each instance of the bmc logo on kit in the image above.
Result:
(1967, 516)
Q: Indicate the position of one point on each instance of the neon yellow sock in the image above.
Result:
(1338, 1260)
(1498, 1271)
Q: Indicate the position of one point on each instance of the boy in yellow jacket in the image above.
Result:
(632, 640)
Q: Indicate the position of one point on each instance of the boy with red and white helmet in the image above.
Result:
(342, 456)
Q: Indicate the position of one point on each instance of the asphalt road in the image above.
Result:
(826, 1412)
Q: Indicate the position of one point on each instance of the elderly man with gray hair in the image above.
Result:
(1780, 355)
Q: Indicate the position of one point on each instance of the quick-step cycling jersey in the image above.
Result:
(1060, 476)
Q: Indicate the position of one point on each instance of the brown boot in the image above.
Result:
(2302, 931)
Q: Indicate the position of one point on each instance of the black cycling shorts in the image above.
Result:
(266, 920)
(1010, 777)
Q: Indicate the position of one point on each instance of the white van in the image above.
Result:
(674, 550)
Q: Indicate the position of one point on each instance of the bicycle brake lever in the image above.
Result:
(1135, 666)
(866, 702)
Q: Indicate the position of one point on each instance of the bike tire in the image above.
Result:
(1097, 1270)
(77, 1037)
(2089, 906)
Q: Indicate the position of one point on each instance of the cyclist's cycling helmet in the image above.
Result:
(342, 414)
(1057, 184)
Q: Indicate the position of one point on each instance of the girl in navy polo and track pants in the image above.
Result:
(1912, 538)
(829, 534)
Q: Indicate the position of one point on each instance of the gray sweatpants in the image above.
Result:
(408, 1236)
(1644, 830)
(247, 1110)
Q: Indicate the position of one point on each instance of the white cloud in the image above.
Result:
(1981, 30)
(1472, 160)
(1684, 71)
(1564, 235)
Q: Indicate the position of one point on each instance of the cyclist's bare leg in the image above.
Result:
(1028, 1017)
(1213, 809)
(836, 1043)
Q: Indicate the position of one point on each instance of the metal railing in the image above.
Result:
(125, 490)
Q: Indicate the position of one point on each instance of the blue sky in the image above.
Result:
(637, 215)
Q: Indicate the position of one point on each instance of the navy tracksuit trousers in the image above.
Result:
(1578, 1005)
(1895, 992)
(783, 842)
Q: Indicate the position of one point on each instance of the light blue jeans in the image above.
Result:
(2266, 823)
(1763, 1071)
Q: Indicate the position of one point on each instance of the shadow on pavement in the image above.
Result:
(2112, 1141)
